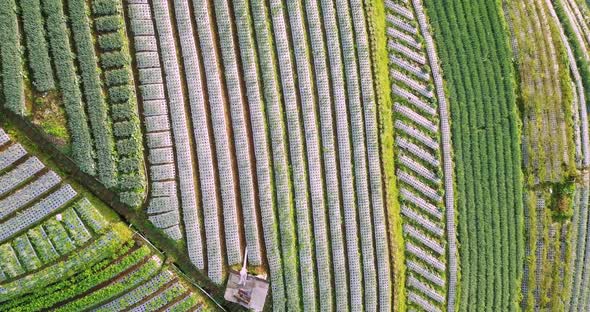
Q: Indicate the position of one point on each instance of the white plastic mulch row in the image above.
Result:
(156, 119)
(417, 134)
(11, 155)
(28, 193)
(345, 156)
(328, 145)
(240, 133)
(425, 240)
(3, 137)
(294, 129)
(423, 221)
(425, 273)
(20, 174)
(263, 167)
(418, 168)
(417, 151)
(37, 212)
(205, 160)
(407, 52)
(220, 124)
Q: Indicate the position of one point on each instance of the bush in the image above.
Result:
(113, 60)
(105, 7)
(130, 165)
(124, 128)
(131, 199)
(119, 94)
(121, 112)
(127, 147)
(108, 23)
(129, 182)
(117, 77)
(110, 42)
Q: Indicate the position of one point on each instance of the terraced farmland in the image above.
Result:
(52, 238)
(390, 155)
(424, 165)
(474, 50)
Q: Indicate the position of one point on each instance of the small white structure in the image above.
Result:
(246, 290)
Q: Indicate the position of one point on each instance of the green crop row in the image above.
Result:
(12, 77)
(473, 45)
(190, 302)
(578, 49)
(131, 280)
(37, 49)
(115, 63)
(104, 247)
(79, 286)
(57, 31)
(95, 104)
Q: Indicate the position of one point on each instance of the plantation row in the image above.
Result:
(58, 252)
(548, 103)
(574, 32)
(163, 202)
(117, 81)
(10, 55)
(476, 60)
(92, 77)
(424, 167)
(287, 145)
(571, 35)
(546, 93)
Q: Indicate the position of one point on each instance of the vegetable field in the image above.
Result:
(351, 155)
(475, 54)
(59, 252)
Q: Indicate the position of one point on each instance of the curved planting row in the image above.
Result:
(476, 59)
(163, 203)
(299, 77)
(94, 98)
(573, 34)
(52, 239)
(37, 47)
(117, 81)
(63, 58)
(85, 44)
(12, 84)
(424, 163)
(246, 40)
(549, 101)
